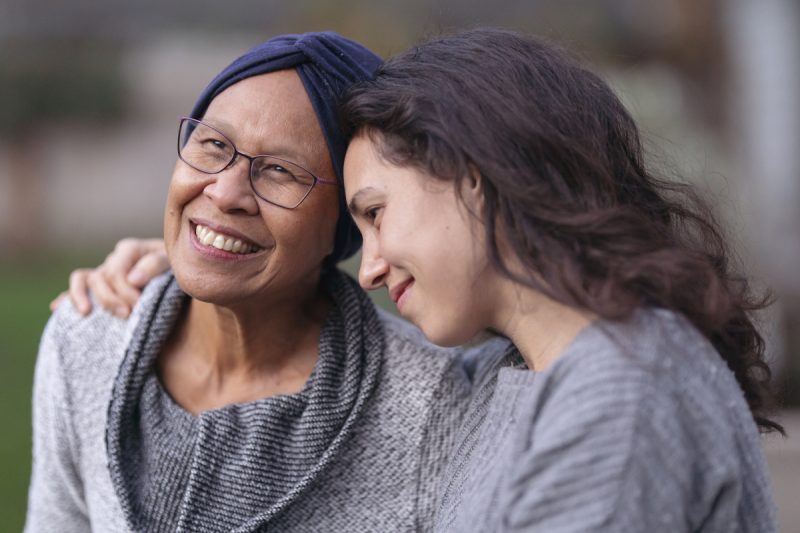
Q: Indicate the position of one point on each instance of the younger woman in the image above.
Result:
(497, 184)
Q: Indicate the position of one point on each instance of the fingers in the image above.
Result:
(109, 282)
(116, 284)
(106, 291)
(57, 301)
(148, 267)
(124, 255)
(78, 291)
(155, 246)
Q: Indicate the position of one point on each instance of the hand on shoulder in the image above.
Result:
(117, 283)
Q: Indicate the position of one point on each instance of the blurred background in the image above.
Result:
(90, 94)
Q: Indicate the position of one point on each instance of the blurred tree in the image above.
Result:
(42, 85)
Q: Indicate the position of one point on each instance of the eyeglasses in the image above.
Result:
(274, 180)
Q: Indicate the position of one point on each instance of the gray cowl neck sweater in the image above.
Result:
(247, 461)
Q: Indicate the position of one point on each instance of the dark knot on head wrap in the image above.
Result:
(328, 64)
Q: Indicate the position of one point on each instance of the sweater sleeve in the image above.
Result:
(55, 497)
(615, 448)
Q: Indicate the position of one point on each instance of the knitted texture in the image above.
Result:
(636, 427)
(360, 448)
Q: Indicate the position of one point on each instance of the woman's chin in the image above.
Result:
(447, 335)
(206, 288)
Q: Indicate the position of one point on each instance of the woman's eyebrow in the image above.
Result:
(353, 205)
(221, 124)
(299, 155)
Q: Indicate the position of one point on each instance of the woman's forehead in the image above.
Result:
(275, 98)
(269, 112)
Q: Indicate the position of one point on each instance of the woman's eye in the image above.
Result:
(372, 213)
(214, 144)
(277, 168)
(277, 172)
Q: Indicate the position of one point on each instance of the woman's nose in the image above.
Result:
(374, 268)
(230, 190)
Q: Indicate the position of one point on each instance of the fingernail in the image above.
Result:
(135, 277)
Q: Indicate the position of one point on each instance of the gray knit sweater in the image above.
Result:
(637, 427)
(361, 448)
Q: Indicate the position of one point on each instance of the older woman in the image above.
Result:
(255, 387)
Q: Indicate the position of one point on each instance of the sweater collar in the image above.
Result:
(274, 447)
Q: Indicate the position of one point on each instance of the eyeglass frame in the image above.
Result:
(250, 159)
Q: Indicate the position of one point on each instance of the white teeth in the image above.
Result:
(209, 237)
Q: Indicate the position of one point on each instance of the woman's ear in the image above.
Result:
(472, 192)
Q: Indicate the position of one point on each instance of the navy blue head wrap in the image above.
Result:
(328, 64)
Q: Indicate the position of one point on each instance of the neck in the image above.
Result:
(269, 338)
(220, 355)
(540, 327)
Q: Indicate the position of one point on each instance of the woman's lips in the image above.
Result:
(399, 293)
(222, 241)
(221, 244)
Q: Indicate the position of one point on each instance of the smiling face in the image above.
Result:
(420, 242)
(225, 244)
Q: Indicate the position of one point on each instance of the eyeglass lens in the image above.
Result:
(274, 179)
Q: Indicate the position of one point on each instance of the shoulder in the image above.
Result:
(652, 348)
(87, 349)
(651, 386)
(653, 378)
(76, 343)
(646, 410)
(418, 374)
(476, 361)
(406, 345)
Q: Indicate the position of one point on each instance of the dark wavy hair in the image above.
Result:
(565, 184)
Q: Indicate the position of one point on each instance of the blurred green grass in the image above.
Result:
(26, 288)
